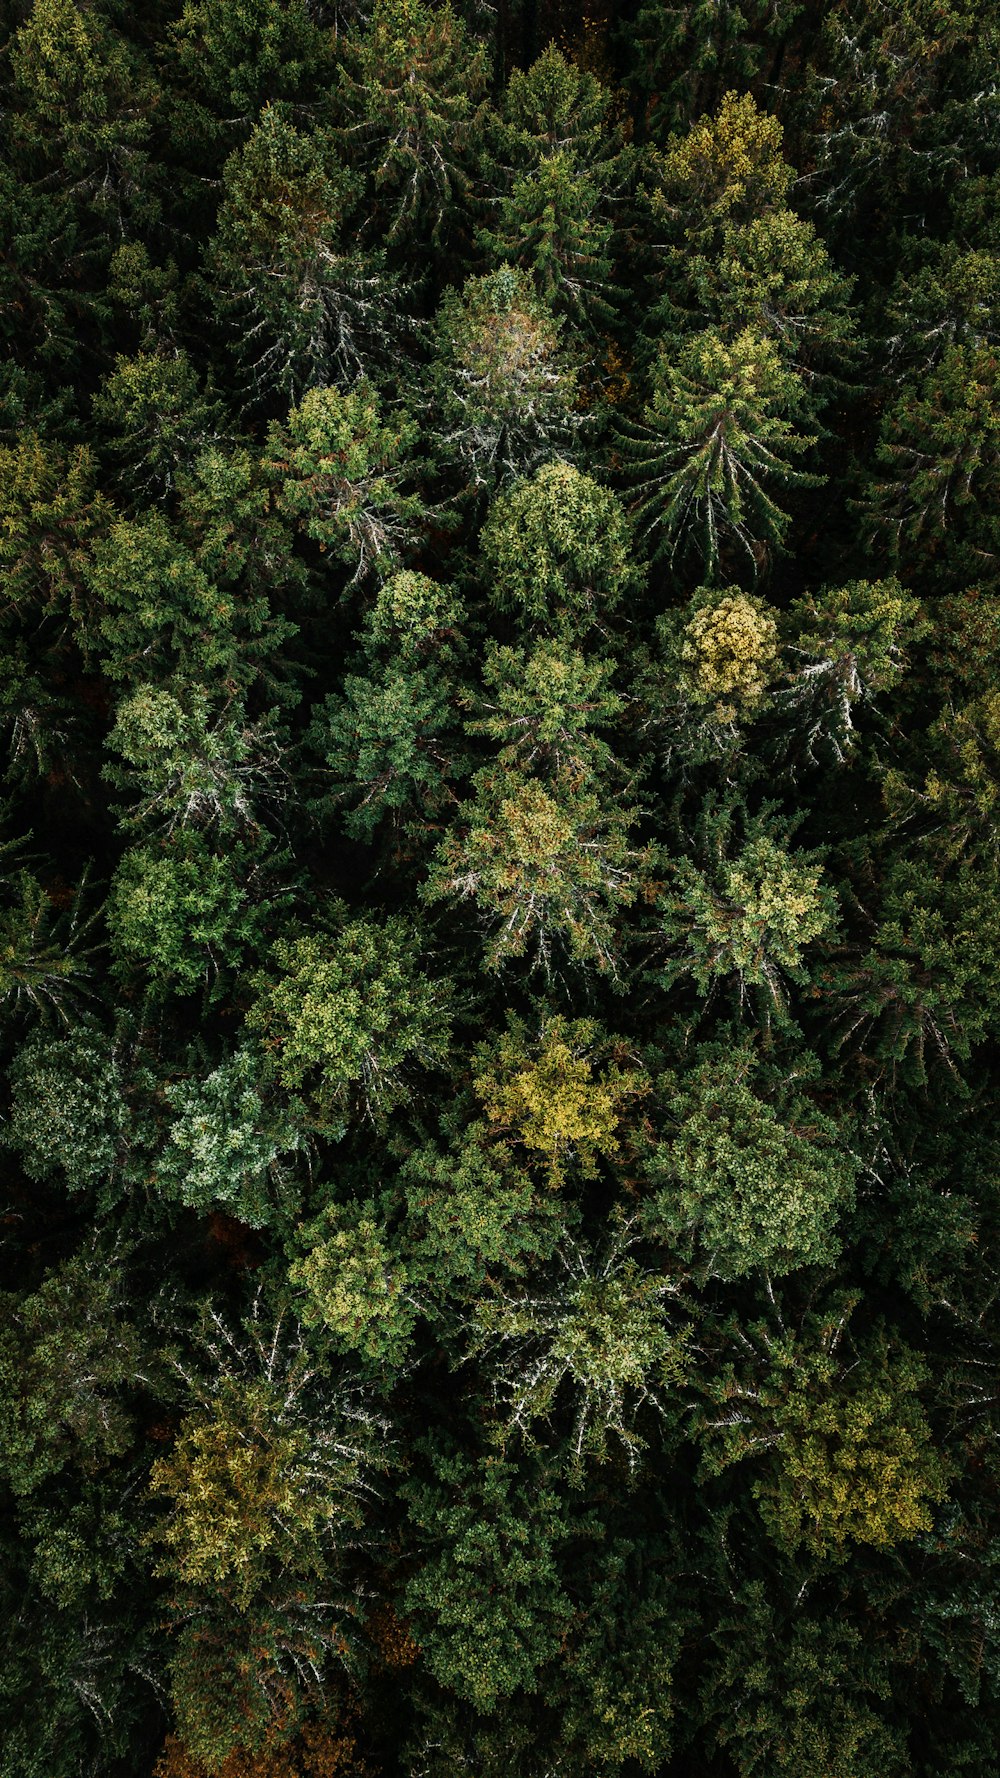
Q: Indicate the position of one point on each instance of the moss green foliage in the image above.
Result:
(357, 1286)
(547, 1097)
(499, 889)
(68, 1356)
(747, 914)
(340, 470)
(486, 1602)
(68, 1112)
(258, 1499)
(595, 1337)
(717, 435)
(181, 913)
(728, 649)
(390, 740)
(844, 1449)
(193, 766)
(349, 1011)
(756, 1172)
(546, 871)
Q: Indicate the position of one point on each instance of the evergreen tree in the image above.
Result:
(503, 395)
(410, 86)
(718, 433)
(499, 870)
(308, 307)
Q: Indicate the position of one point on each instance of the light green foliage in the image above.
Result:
(726, 168)
(83, 1550)
(152, 598)
(844, 646)
(499, 888)
(548, 870)
(556, 550)
(413, 617)
(487, 1605)
(737, 256)
(753, 1168)
(543, 704)
(342, 472)
(357, 1285)
(719, 432)
(227, 518)
(346, 1014)
(774, 274)
(387, 743)
(595, 1338)
(856, 1465)
(754, 277)
(68, 1114)
(748, 916)
(307, 305)
(411, 83)
(158, 419)
(559, 168)
(190, 766)
(147, 292)
(227, 1145)
(254, 1392)
(546, 1098)
(240, 1487)
(68, 1363)
(505, 395)
(728, 652)
(180, 913)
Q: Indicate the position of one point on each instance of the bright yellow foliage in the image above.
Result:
(855, 1467)
(728, 650)
(730, 164)
(550, 1098)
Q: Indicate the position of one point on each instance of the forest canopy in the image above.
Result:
(499, 889)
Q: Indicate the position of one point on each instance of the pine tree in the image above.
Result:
(309, 307)
(718, 433)
(410, 86)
